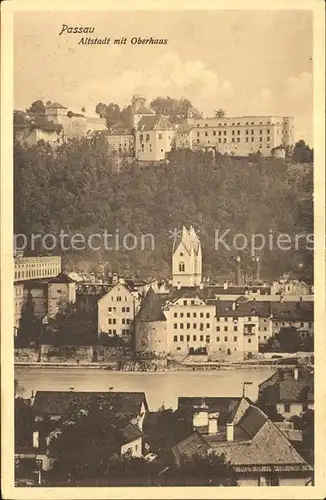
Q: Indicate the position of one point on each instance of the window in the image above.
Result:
(188, 338)
(218, 328)
(252, 132)
(238, 139)
(287, 408)
(127, 309)
(225, 328)
(206, 134)
(147, 137)
(214, 132)
(252, 139)
(238, 132)
(175, 315)
(224, 132)
(114, 321)
(233, 132)
(188, 326)
(123, 309)
(208, 339)
(110, 321)
(225, 339)
(118, 299)
(249, 341)
(184, 302)
(247, 140)
(175, 338)
(181, 338)
(249, 318)
(219, 132)
(201, 326)
(217, 339)
(301, 324)
(201, 315)
(175, 326)
(201, 338)
(232, 139)
(224, 140)
(181, 326)
(194, 338)
(160, 136)
(235, 328)
(260, 131)
(188, 315)
(268, 130)
(207, 315)
(194, 315)
(194, 326)
(207, 325)
(181, 267)
(123, 321)
(181, 315)
(268, 138)
(220, 140)
(109, 309)
(235, 339)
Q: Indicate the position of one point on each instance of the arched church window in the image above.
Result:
(181, 267)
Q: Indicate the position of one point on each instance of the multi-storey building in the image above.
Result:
(154, 138)
(239, 136)
(27, 268)
(116, 311)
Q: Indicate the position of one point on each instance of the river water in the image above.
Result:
(159, 387)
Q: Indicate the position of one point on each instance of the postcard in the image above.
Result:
(163, 263)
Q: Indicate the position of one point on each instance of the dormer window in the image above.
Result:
(181, 267)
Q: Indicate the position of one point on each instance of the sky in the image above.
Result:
(245, 62)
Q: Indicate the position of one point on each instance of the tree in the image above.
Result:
(306, 423)
(29, 329)
(101, 109)
(24, 422)
(264, 402)
(219, 113)
(19, 117)
(71, 326)
(209, 470)
(36, 107)
(302, 153)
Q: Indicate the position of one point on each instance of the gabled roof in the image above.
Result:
(293, 311)
(154, 122)
(59, 402)
(144, 110)
(192, 445)
(56, 105)
(258, 445)
(188, 240)
(282, 387)
(152, 307)
(61, 278)
(120, 130)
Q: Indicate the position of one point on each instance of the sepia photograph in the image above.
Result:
(163, 323)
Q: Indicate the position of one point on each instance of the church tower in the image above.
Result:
(187, 260)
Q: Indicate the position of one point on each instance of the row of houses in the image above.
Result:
(262, 452)
(169, 318)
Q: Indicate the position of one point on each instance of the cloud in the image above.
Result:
(300, 86)
(167, 75)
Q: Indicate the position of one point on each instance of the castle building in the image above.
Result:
(187, 260)
(240, 136)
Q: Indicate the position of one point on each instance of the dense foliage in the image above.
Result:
(77, 188)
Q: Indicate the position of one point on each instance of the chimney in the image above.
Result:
(238, 271)
(225, 285)
(213, 423)
(36, 443)
(179, 286)
(201, 285)
(233, 306)
(257, 268)
(230, 431)
(296, 373)
(32, 399)
(281, 298)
